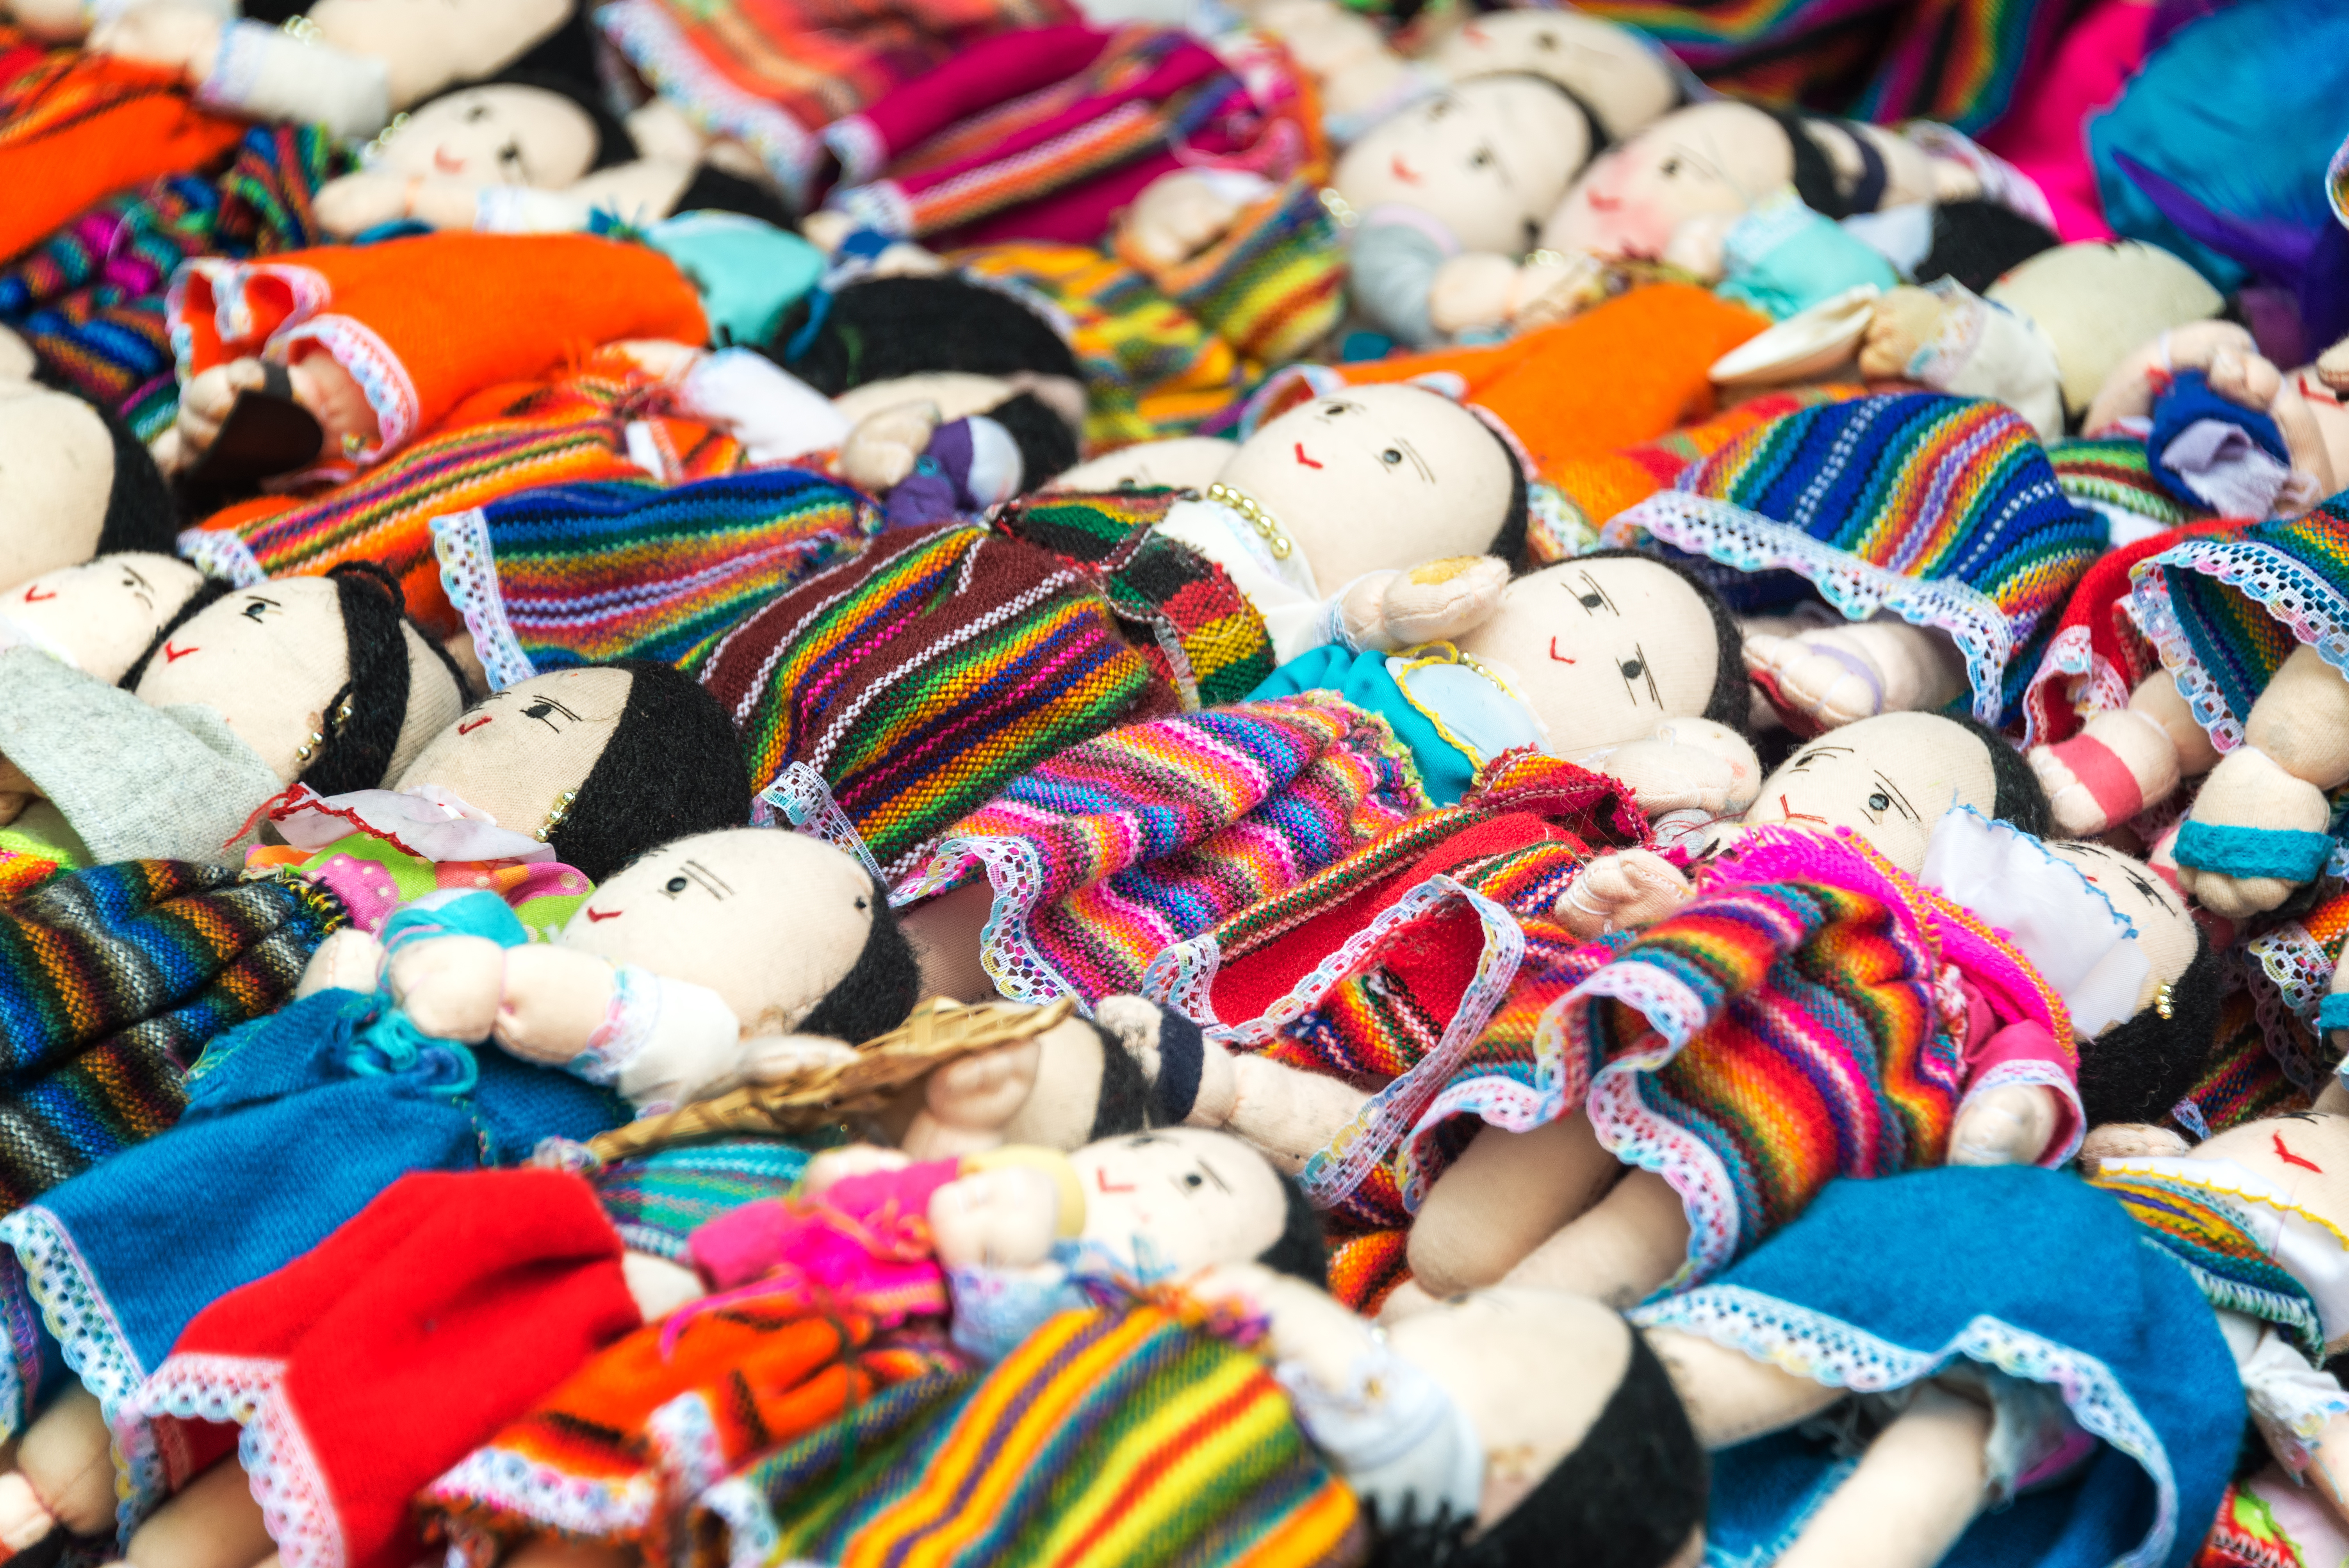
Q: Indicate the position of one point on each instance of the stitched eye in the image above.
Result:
(675, 885)
(1672, 167)
(1592, 601)
(1480, 159)
(1391, 456)
(1631, 669)
(1545, 40)
(1879, 801)
(478, 112)
(1193, 1179)
(860, 904)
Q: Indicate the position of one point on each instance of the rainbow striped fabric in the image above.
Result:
(1113, 1438)
(2226, 609)
(112, 980)
(656, 1201)
(585, 573)
(1115, 848)
(1274, 285)
(2113, 474)
(2207, 1229)
(1941, 510)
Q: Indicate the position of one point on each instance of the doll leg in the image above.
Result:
(2007, 1125)
(2297, 748)
(2121, 762)
(1838, 674)
(1914, 1492)
(1506, 1194)
(64, 1474)
(1730, 1395)
(1629, 1244)
(213, 1522)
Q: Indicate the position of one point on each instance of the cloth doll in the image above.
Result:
(993, 1244)
(103, 615)
(81, 484)
(318, 680)
(364, 1085)
(2044, 1389)
(1838, 497)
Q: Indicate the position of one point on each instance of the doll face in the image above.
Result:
(267, 660)
(105, 611)
(769, 920)
(1603, 650)
(2164, 930)
(2099, 301)
(2304, 1157)
(1170, 1203)
(514, 752)
(56, 469)
(1376, 476)
(1888, 779)
(1707, 159)
(1006, 1215)
(495, 136)
(1488, 159)
(1625, 82)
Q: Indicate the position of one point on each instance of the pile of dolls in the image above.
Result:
(1215, 782)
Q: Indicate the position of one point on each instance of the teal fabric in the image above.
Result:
(2285, 853)
(1783, 258)
(1362, 680)
(749, 272)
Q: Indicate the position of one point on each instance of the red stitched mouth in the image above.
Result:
(1402, 171)
(1794, 816)
(468, 728)
(33, 595)
(1101, 1180)
(446, 165)
(172, 656)
(1554, 653)
(1303, 459)
(594, 915)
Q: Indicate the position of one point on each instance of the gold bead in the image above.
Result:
(557, 816)
(1263, 521)
(2163, 1004)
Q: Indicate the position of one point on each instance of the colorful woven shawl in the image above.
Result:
(921, 677)
(2246, 1076)
(1942, 510)
(658, 1200)
(772, 73)
(2096, 656)
(1113, 1438)
(1115, 848)
(571, 429)
(587, 573)
(90, 299)
(2113, 474)
(1273, 286)
(112, 980)
(2205, 1229)
(2226, 608)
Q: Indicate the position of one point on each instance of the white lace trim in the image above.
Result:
(2096, 685)
(223, 553)
(642, 32)
(2287, 1038)
(244, 50)
(800, 793)
(62, 1285)
(469, 575)
(2300, 970)
(513, 1483)
(881, 207)
(2030, 1073)
(1733, 536)
(279, 1462)
(856, 142)
(381, 378)
(1829, 1351)
(1183, 978)
(2280, 586)
(685, 1442)
(1342, 1165)
(754, 1538)
(1006, 949)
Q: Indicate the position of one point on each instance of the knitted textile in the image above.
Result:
(771, 73)
(89, 298)
(587, 573)
(2208, 1232)
(616, 1453)
(2113, 474)
(1110, 1437)
(1199, 631)
(2096, 656)
(2244, 1079)
(1941, 510)
(112, 980)
(657, 1199)
(1113, 851)
(922, 676)
(77, 128)
(1274, 285)
(2226, 608)
(383, 312)
(351, 1376)
(574, 428)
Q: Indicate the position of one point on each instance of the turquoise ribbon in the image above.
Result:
(2287, 854)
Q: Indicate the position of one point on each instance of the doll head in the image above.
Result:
(2098, 300)
(326, 678)
(1487, 158)
(519, 130)
(1371, 478)
(1168, 1203)
(1607, 646)
(2136, 1070)
(1709, 158)
(1589, 1455)
(603, 761)
(428, 44)
(791, 932)
(79, 484)
(1621, 78)
(886, 327)
(1892, 777)
(103, 615)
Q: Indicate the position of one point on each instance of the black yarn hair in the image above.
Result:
(880, 988)
(713, 190)
(1303, 1249)
(1629, 1495)
(673, 768)
(1047, 445)
(1509, 543)
(1815, 176)
(2138, 1068)
(1126, 1103)
(365, 716)
(569, 52)
(210, 592)
(1979, 241)
(2016, 794)
(883, 328)
(1727, 702)
(140, 513)
(1600, 140)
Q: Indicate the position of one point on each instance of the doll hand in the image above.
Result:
(1476, 290)
(659, 1286)
(967, 1103)
(1288, 1113)
(1139, 1025)
(334, 397)
(1302, 1324)
(349, 960)
(2247, 788)
(2007, 1126)
(1433, 602)
(53, 21)
(170, 37)
(1902, 321)
(2250, 379)
(1176, 217)
(884, 448)
(1688, 765)
(556, 999)
(781, 1059)
(856, 1159)
(1622, 892)
(2126, 1140)
(355, 204)
(1002, 1218)
(448, 985)
(2114, 768)
(206, 399)
(1833, 676)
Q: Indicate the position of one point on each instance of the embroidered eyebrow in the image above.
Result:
(1592, 584)
(1905, 806)
(133, 573)
(718, 885)
(1210, 1170)
(1416, 460)
(1649, 670)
